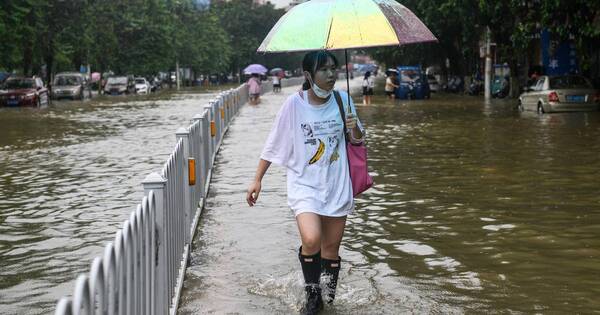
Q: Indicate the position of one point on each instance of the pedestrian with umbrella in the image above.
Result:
(254, 83)
(313, 125)
(254, 89)
(277, 74)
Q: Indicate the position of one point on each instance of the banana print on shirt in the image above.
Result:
(322, 140)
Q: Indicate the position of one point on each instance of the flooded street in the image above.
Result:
(69, 176)
(482, 207)
(476, 209)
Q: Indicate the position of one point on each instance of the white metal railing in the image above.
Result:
(142, 270)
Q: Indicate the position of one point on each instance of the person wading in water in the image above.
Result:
(307, 138)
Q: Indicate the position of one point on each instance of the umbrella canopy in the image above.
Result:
(255, 68)
(391, 70)
(275, 70)
(96, 76)
(343, 24)
(367, 67)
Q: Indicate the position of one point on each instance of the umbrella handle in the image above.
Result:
(347, 80)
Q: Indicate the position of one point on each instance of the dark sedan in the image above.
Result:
(24, 92)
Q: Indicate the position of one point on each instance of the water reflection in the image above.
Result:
(69, 175)
(488, 205)
(476, 208)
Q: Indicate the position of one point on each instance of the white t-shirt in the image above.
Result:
(309, 141)
(368, 83)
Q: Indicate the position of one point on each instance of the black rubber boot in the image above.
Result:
(311, 268)
(331, 269)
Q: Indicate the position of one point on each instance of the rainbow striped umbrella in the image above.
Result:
(344, 24)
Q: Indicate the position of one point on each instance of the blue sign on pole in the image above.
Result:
(558, 58)
(82, 69)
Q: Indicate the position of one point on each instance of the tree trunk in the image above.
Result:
(49, 64)
(27, 57)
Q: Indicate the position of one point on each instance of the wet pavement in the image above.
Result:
(476, 208)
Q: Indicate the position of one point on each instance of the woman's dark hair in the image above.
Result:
(367, 74)
(315, 60)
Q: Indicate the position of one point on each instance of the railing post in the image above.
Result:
(200, 164)
(226, 107)
(156, 183)
(211, 126)
(217, 119)
(184, 134)
(64, 307)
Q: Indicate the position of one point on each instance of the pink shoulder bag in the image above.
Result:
(357, 157)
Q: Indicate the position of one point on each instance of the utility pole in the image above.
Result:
(488, 66)
(177, 74)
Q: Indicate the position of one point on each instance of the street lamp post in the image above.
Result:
(488, 66)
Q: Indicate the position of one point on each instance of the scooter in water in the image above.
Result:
(455, 85)
(476, 87)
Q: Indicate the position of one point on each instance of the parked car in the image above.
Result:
(73, 85)
(142, 86)
(434, 86)
(19, 91)
(413, 83)
(560, 94)
(119, 85)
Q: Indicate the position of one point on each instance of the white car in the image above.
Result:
(560, 94)
(142, 86)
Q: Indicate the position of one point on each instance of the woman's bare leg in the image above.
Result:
(309, 226)
(332, 231)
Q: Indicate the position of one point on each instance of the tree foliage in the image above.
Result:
(247, 25)
(132, 36)
(460, 25)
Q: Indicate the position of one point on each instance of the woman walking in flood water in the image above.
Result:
(254, 89)
(308, 139)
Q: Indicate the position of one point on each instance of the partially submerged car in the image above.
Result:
(119, 85)
(560, 94)
(73, 85)
(20, 91)
(142, 86)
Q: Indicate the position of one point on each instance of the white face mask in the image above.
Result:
(319, 92)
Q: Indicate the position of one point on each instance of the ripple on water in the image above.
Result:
(67, 184)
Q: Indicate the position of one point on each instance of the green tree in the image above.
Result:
(454, 23)
(247, 25)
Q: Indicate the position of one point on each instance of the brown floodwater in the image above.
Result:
(70, 174)
(476, 208)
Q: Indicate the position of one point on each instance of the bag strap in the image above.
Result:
(338, 100)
